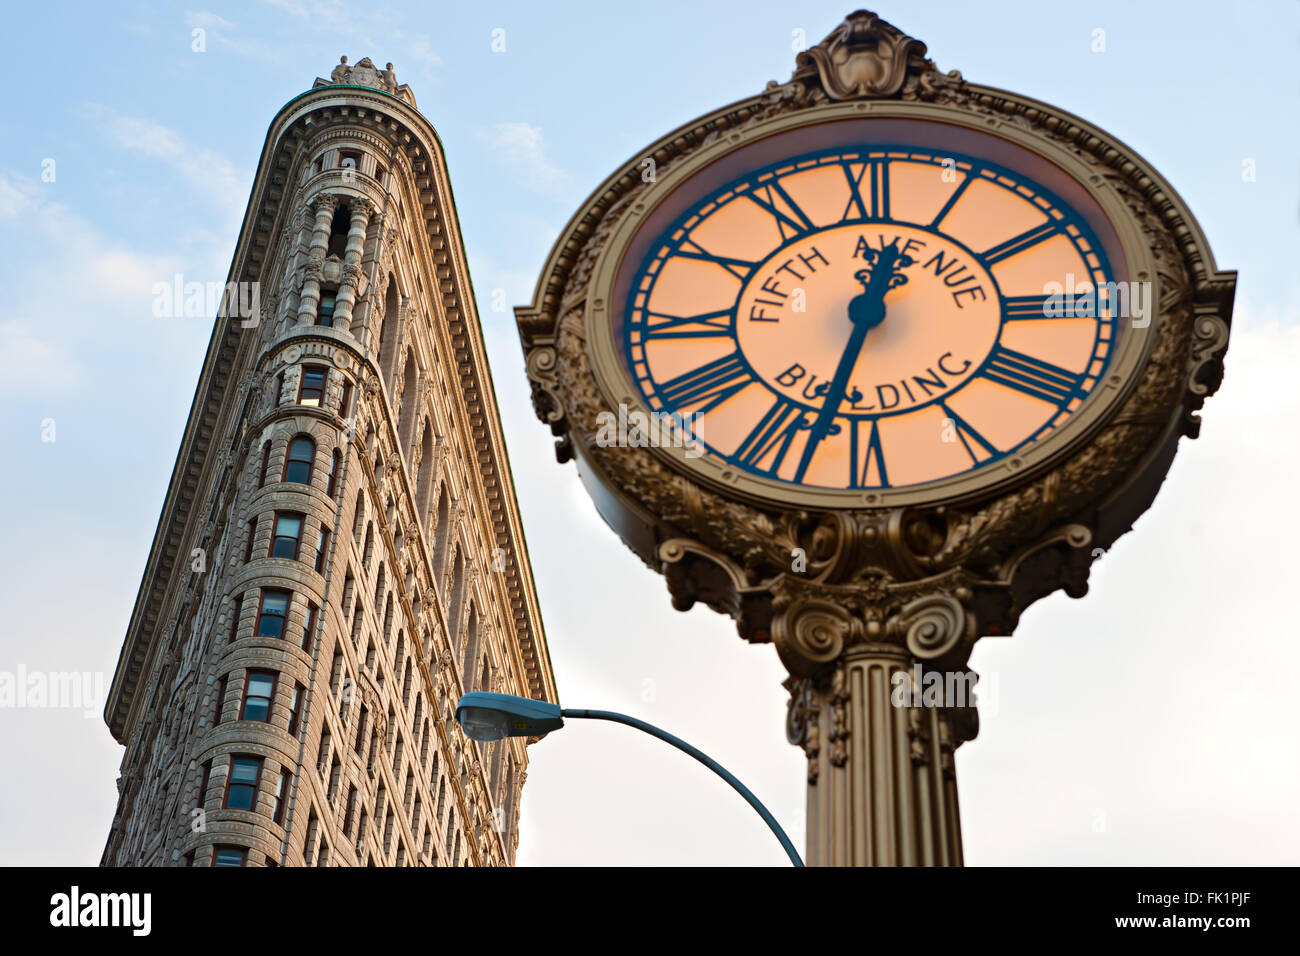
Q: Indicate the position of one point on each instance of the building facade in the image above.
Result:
(339, 555)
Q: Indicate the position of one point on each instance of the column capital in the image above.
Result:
(325, 203)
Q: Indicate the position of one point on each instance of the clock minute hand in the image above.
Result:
(866, 311)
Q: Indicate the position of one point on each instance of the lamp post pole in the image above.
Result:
(703, 758)
(486, 716)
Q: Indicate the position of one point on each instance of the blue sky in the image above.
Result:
(154, 147)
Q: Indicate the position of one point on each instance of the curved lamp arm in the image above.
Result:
(703, 758)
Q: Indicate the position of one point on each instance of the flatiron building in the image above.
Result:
(339, 556)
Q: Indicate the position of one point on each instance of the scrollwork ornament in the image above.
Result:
(810, 634)
(932, 627)
(801, 720)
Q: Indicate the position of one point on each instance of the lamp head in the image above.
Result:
(486, 717)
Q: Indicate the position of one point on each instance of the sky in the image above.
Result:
(1149, 723)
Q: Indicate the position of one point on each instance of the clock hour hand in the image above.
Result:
(866, 311)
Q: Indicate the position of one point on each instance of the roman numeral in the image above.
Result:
(740, 268)
(858, 479)
(1026, 307)
(880, 190)
(791, 221)
(855, 191)
(874, 205)
(952, 200)
(707, 325)
(967, 435)
(1018, 244)
(712, 383)
(771, 437)
(1024, 373)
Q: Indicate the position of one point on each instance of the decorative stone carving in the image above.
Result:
(863, 57)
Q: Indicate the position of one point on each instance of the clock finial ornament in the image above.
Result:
(864, 57)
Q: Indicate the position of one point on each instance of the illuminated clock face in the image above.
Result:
(871, 318)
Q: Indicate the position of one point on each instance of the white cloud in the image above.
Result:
(31, 363)
(212, 175)
(519, 146)
(421, 50)
(206, 19)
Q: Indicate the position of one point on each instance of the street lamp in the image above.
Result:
(486, 717)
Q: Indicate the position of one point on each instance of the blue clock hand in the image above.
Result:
(866, 311)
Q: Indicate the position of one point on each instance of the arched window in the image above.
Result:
(335, 462)
(441, 532)
(457, 594)
(266, 462)
(359, 516)
(471, 650)
(300, 460)
(388, 332)
(424, 481)
(410, 402)
(369, 549)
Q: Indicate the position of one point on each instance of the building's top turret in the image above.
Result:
(365, 73)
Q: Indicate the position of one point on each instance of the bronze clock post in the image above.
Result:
(892, 355)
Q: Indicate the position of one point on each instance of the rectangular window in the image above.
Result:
(325, 314)
(350, 809)
(322, 542)
(241, 785)
(204, 777)
(234, 616)
(229, 856)
(281, 792)
(270, 616)
(312, 390)
(323, 754)
(308, 626)
(345, 400)
(309, 842)
(335, 769)
(361, 730)
(295, 706)
(287, 539)
(259, 691)
(220, 699)
(252, 533)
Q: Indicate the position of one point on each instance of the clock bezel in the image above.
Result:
(708, 168)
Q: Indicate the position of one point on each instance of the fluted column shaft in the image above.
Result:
(882, 787)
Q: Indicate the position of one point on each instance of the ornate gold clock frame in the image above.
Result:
(881, 582)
